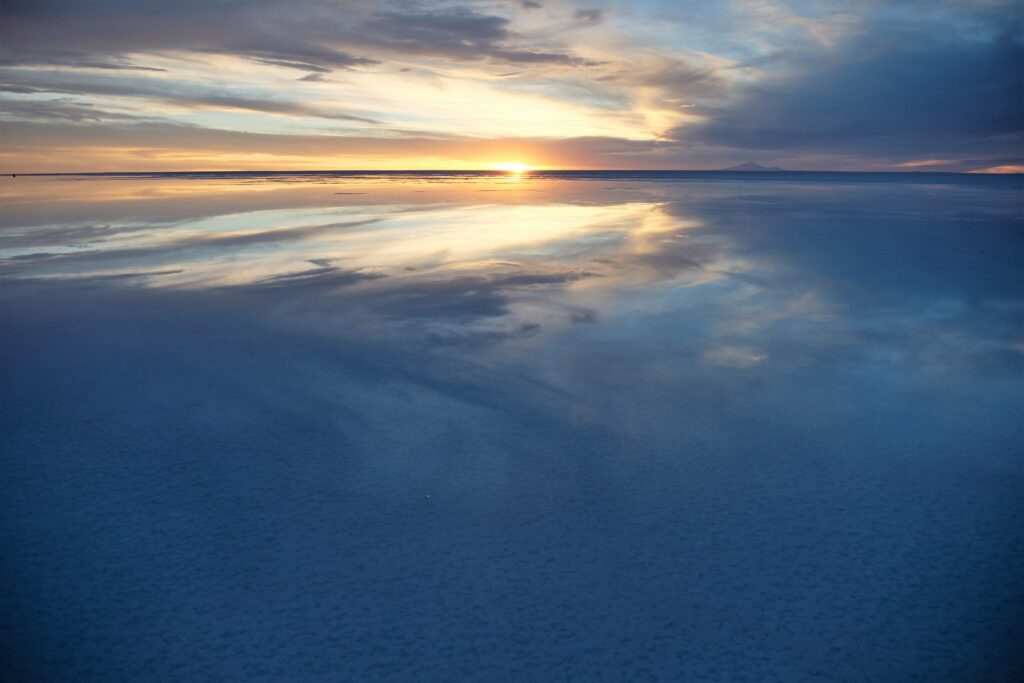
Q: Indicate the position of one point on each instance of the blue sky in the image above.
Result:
(94, 85)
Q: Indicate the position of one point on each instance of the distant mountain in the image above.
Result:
(753, 166)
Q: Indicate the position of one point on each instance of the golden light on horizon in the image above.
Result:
(512, 167)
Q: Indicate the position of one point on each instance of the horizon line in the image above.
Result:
(498, 172)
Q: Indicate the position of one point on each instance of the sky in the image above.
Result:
(165, 85)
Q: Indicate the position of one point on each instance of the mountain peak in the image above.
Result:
(752, 166)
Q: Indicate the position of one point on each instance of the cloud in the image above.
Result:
(302, 57)
(461, 297)
(75, 60)
(676, 80)
(187, 248)
(66, 236)
(796, 84)
(63, 109)
(36, 140)
(588, 15)
(881, 101)
(458, 33)
(315, 35)
(315, 281)
(79, 283)
(179, 94)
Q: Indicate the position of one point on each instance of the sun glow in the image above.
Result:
(512, 167)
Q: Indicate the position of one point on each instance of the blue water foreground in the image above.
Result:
(538, 427)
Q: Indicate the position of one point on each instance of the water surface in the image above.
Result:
(704, 427)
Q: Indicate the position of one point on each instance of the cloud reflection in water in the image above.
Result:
(700, 429)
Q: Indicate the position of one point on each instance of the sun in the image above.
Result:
(512, 167)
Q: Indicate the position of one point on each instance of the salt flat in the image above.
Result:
(706, 427)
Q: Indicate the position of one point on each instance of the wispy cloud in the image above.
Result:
(842, 85)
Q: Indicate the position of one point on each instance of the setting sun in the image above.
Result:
(512, 167)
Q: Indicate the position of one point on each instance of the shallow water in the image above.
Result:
(734, 427)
